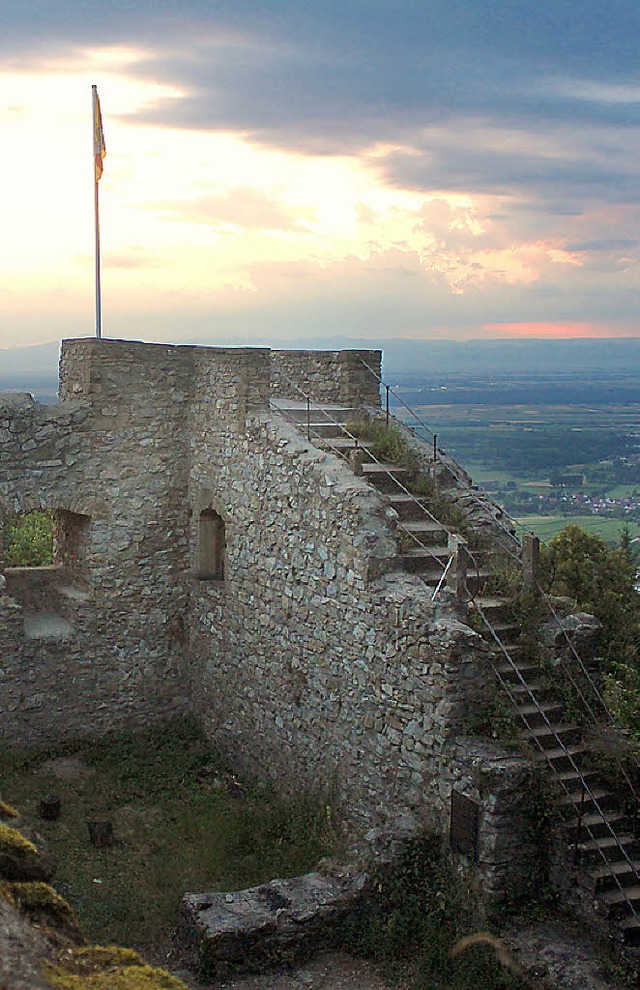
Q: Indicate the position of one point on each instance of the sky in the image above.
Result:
(277, 170)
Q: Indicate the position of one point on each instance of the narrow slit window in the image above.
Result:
(211, 546)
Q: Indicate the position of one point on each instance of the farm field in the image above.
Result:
(546, 527)
(548, 462)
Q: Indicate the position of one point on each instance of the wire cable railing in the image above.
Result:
(586, 788)
(453, 538)
(463, 477)
(451, 463)
(569, 757)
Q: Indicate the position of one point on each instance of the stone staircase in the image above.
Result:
(600, 831)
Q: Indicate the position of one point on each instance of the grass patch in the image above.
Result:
(181, 824)
(546, 527)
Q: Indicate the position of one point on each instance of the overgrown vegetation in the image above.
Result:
(28, 539)
(180, 821)
(422, 910)
(601, 579)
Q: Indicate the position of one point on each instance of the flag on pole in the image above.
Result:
(99, 147)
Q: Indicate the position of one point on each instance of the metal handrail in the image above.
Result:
(456, 469)
(359, 444)
(596, 722)
(568, 756)
(592, 683)
(586, 788)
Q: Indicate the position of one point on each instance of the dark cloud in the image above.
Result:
(336, 78)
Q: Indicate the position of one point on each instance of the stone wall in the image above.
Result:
(308, 656)
(105, 647)
(349, 378)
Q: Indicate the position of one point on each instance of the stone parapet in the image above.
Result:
(349, 377)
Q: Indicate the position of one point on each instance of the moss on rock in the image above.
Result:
(40, 902)
(6, 811)
(13, 843)
(108, 968)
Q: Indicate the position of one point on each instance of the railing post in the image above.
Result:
(435, 447)
(387, 403)
(457, 578)
(530, 561)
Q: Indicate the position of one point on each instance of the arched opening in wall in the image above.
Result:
(70, 542)
(211, 546)
(27, 539)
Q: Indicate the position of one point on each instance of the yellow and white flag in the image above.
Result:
(99, 147)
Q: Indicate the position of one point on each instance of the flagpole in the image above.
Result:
(98, 286)
(96, 205)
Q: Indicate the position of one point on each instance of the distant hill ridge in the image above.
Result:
(35, 368)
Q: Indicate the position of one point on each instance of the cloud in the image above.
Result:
(244, 207)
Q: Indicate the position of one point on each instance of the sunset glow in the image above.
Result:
(223, 199)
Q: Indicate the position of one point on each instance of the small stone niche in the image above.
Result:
(463, 833)
(211, 546)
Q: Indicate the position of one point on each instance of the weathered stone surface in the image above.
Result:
(279, 922)
(577, 630)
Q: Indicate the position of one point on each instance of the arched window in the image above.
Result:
(211, 546)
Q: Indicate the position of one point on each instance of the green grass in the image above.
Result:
(546, 527)
(181, 824)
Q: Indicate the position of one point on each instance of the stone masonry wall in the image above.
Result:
(314, 661)
(309, 664)
(340, 377)
(83, 659)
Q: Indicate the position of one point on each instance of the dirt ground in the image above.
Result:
(332, 971)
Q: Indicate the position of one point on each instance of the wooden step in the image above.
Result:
(547, 735)
(316, 413)
(577, 797)
(420, 526)
(528, 671)
(385, 477)
(408, 506)
(339, 445)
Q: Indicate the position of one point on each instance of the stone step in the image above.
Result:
(630, 928)
(408, 506)
(535, 714)
(593, 852)
(547, 736)
(561, 758)
(385, 477)
(614, 875)
(592, 825)
(618, 903)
